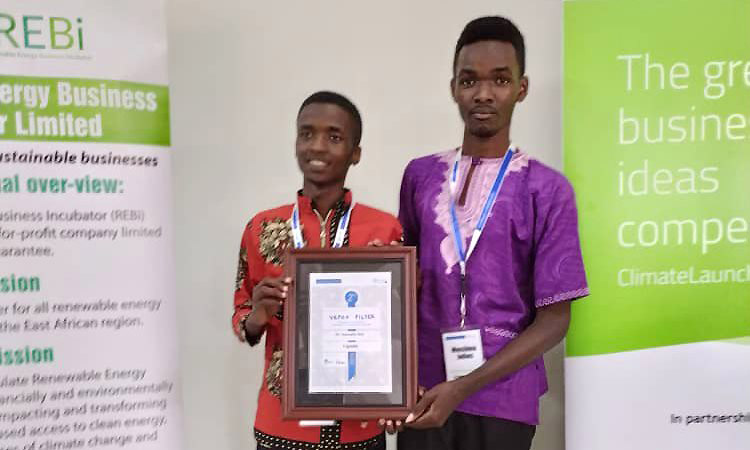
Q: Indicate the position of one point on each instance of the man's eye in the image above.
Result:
(501, 81)
(466, 82)
(335, 138)
(305, 134)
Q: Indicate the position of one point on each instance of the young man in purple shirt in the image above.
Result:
(500, 260)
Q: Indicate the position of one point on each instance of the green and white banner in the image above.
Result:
(88, 338)
(657, 145)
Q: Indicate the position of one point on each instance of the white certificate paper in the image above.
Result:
(350, 332)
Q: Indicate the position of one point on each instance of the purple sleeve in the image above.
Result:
(407, 208)
(558, 264)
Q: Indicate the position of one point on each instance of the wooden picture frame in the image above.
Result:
(391, 318)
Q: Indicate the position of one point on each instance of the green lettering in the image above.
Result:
(54, 32)
(11, 27)
(27, 32)
(80, 33)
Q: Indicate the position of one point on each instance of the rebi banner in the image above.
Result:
(88, 338)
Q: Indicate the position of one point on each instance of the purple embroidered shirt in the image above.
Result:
(528, 257)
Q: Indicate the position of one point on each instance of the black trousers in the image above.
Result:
(469, 432)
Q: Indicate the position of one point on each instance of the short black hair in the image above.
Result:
(334, 98)
(492, 28)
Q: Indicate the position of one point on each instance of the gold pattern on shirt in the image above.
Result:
(275, 372)
(275, 237)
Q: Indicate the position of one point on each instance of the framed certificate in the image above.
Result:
(350, 333)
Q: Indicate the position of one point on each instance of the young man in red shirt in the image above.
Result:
(329, 129)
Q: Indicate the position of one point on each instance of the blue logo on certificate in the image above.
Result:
(351, 298)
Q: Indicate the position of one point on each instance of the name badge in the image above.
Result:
(462, 352)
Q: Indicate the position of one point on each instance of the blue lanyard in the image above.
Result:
(338, 241)
(463, 255)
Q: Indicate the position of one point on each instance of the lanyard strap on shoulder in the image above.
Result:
(341, 230)
(463, 255)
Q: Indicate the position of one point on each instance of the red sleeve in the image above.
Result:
(249, 268)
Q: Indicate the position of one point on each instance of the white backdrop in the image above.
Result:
(238, 71)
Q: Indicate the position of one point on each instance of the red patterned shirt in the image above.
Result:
(264, 241)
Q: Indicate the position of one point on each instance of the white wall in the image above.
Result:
(238, 71)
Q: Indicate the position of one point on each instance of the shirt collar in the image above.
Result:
(306, 207)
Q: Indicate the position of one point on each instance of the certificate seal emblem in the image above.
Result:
(351, 298)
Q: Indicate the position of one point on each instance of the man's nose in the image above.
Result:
(483, 93)
(318, 143)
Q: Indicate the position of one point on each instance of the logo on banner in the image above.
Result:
(40, 33)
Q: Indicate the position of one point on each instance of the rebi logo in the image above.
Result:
(40, 33)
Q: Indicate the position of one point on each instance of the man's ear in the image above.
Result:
(356, 155)
(524, 89)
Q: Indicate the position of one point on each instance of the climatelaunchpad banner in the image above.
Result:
(657, 146)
